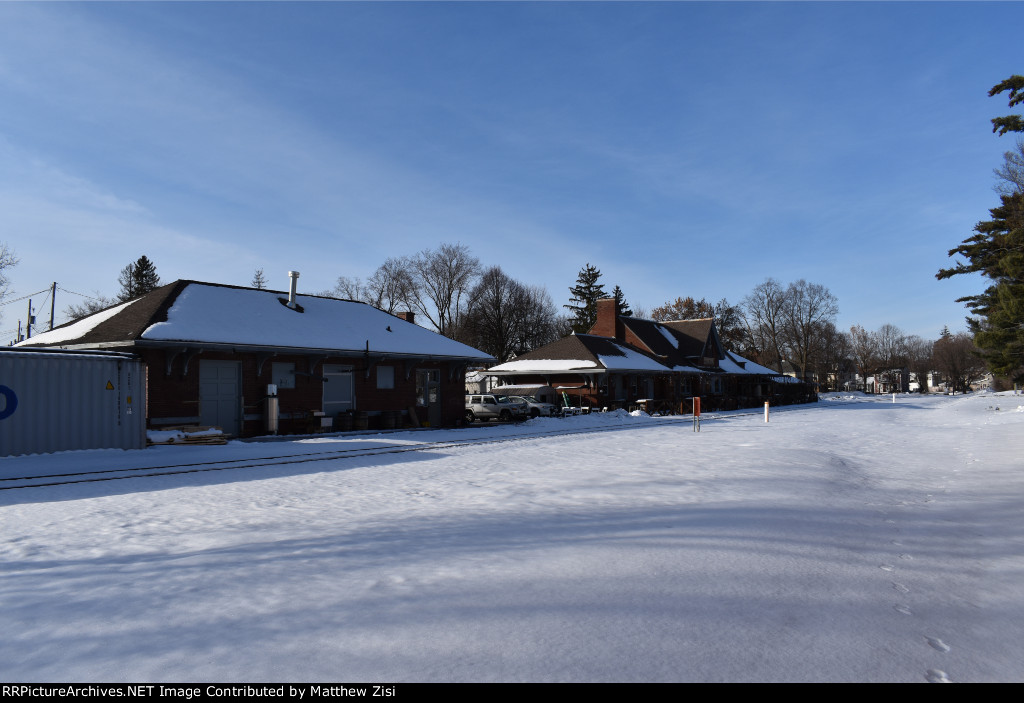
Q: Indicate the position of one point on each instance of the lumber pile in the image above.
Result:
(186, 435)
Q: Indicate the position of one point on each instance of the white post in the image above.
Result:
(766, 411)
(894, 397)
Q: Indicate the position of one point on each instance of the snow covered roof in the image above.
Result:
(583, 353)
(734, 363)
(192, 312)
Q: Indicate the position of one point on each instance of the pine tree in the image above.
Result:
(137, 279)
(620, 303)
(1009, 123)
(996, 251)
(259, 280)
(583, 303)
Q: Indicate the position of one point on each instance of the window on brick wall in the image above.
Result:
(385, 377)
(284, 375)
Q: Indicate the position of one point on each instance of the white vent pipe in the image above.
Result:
(293, 283)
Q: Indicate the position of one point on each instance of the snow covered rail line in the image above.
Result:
(113, 474)
(40, 481)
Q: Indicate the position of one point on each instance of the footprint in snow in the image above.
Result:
(900, 588)
(902, 609)
(937, 644)
(907, 557)
(937, 676)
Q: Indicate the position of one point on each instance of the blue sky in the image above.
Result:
(682, 148)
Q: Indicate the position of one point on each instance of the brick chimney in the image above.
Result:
(408, 316)
(608, 323)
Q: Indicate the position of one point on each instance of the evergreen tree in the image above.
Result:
(259, 280)
(583, 303)
(620, 303)
(137, 279)
(996, 251)
(1010, 123)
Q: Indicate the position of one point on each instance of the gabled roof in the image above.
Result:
(582, 353)
(696, 337)
(734, 363)
(679, 343)
(193, 313)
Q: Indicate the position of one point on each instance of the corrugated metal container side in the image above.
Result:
(53, 401)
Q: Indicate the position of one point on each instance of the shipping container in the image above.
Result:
(52, 401)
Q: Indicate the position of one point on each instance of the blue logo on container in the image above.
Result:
(11, 402)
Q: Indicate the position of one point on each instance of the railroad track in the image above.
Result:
(95, 476)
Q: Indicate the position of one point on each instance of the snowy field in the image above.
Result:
(852, 540)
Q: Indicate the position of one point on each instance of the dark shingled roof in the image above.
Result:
(130, 323)
(693, 337)
(585, 347)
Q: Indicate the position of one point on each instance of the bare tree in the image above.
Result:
(505, 317)
(805, 306)
(259, 279)
(731, 330)
(864, 348)
(956, 358)
(540, 322)
(919, 360)
(88, 306)
(7, 260)
(491, 318)
(1011, 173)
(348, 289)
(892, 352)
(764, 313)
(831, 356)
(391, 288)
(443, 278)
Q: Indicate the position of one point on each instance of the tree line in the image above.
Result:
(450, 290)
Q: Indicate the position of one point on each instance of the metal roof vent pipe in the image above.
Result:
(293, 283)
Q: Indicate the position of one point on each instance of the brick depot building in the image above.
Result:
(623, 362)
(212, 350)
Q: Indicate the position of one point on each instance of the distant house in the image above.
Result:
(211, 351)
(626, 362)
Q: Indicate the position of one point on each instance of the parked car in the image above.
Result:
(487, 406)
(535, 408)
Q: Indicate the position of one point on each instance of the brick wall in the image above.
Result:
(176, 397)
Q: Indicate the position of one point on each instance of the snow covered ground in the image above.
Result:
(853, 540)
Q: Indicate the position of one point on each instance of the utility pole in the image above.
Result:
(53, 300)
(28, 323)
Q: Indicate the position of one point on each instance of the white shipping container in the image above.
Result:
(52, 401)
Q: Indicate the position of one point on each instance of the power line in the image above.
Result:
(26, 297)
(80, 294)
